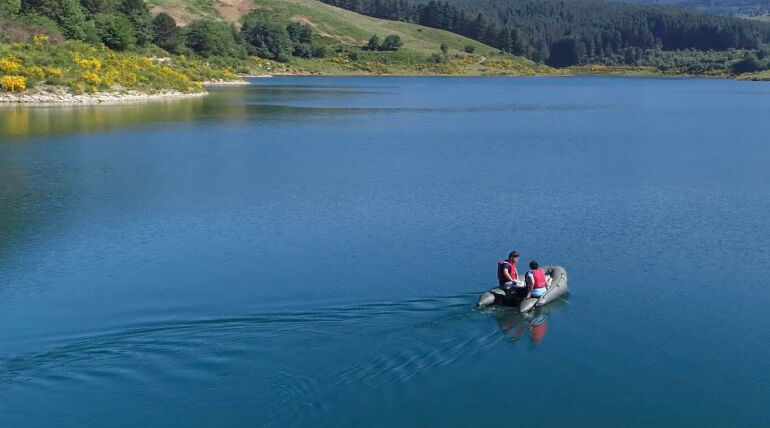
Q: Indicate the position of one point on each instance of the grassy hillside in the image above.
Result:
(343, 34)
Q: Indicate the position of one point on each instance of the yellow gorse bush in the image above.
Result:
(41, 39)
(127, 80)
(9, 64)
(53, 71)
(91, 63)
(13, 83)
(91, 78)
(34, 72)
(85, 68)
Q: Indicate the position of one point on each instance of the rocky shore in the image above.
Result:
(60, 96)
(225, 83)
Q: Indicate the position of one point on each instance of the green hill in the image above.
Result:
(343, 34)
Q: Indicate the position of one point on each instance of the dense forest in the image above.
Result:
(721, 7)
(570, 32)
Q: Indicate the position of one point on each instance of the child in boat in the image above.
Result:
(537, 284)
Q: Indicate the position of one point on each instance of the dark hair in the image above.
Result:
(513, 254)
(533, 264)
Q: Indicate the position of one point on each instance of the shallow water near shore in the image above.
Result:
(307, 252)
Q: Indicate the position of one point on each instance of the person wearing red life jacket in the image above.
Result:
(536, 281)
(507, 275)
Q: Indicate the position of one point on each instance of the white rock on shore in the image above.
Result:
(225, 83)
(58, 96)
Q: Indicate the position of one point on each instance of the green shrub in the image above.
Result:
(99, 6)
(68, 14)
(319, 51)
(299, 33)
(138, 15)
(373, 44)
(165, 33)
(39, 24)
(208, 38)
(749, 64)
(437, 58)
(267, 40)
(391, 43)
(115, 31)
(9, 8)
(302, 51)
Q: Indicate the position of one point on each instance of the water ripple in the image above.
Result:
(268, 108)
(369, 345)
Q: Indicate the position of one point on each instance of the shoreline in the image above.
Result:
(57, 96)
(60, 96)
(228, 82)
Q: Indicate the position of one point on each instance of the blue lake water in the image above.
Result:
(308, 251)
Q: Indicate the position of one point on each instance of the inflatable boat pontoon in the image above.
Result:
(556, 288)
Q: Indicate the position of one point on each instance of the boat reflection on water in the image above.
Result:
(534, 323)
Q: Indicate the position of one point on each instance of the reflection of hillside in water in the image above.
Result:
(533, 324)
(222, 104)
(19, 122)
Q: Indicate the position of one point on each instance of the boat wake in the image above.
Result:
(288, 361)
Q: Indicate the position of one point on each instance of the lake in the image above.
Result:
(307, 251)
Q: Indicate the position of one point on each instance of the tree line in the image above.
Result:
(127, 24)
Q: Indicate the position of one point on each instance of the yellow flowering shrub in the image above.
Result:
(13, 83)
(84, 68)
(53, 71)
(41, 39)
(34, 72)
(91, 63)
(194, 87)
(127, 80)
(78, 87)
(9, 64)
(91, 78)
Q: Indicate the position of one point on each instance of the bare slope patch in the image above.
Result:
(233, 10)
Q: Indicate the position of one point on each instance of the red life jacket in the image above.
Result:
(501, 267)
(539, 276)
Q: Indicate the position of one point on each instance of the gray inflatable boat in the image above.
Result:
(556, 288)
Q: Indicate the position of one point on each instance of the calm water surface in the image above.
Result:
(307, 252)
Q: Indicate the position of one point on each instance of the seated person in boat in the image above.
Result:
(536, 281)
(507, 275)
